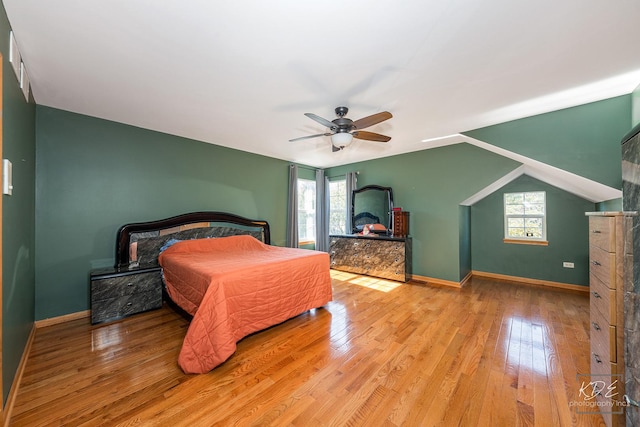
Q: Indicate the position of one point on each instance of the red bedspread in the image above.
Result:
(234, 286)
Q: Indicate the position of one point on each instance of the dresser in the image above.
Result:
(121, 292)
(610, 249)
(379, 256)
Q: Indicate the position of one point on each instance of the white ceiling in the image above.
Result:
(242, 73)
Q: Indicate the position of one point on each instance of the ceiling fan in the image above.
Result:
(343, 129)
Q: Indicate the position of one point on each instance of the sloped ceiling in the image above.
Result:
(241, 74)
(575, 184)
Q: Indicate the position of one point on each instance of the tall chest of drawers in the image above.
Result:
(610, 264)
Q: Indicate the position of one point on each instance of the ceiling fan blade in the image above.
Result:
(309, 136)
(371, 120)
(320, 120)
(370, 136)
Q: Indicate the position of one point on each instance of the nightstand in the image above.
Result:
(121, 292)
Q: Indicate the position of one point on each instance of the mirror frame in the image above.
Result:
(389, 192)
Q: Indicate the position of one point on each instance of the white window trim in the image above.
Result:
(524, 239)
(344, 211)
(302, 241)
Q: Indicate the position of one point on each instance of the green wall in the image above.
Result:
(609, 205)
(18, 211)
(94, 175)
(635, 100)
(430, 184)
(584, 140)
(464, 236)
(567, 234)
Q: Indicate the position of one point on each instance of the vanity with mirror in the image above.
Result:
(371, 248)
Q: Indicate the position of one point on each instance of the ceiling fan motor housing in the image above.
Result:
(344, 129)
(343, 124)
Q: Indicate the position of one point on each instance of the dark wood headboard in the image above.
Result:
(139, 244)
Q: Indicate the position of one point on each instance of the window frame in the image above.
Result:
(531, 240)
(345, 211)
(302, 241)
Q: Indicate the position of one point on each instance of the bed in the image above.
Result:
(222, 271)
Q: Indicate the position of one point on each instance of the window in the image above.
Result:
(306, 211)
(525, 216)
(338, 207)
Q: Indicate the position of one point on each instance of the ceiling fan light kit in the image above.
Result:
(343, 130)
(341, 139)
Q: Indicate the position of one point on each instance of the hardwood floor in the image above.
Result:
(382, 353)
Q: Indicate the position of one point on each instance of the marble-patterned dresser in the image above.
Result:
(631, 202)
(379, 256)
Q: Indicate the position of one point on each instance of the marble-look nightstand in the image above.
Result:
(121, 292)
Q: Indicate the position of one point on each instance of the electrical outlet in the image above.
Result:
(567, 264)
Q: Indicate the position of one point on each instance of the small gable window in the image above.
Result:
(525, 217)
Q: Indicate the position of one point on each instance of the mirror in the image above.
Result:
(371, 204)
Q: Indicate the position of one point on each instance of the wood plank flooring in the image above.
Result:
(384, 354)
